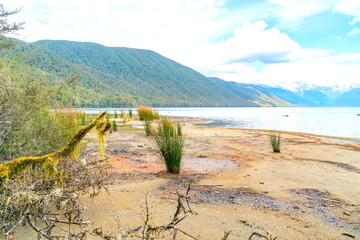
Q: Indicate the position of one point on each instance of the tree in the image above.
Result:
(27, 119)
(7, 27)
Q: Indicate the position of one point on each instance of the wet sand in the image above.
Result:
(311, 190)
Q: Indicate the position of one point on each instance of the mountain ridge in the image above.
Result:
(150, 72)
(127, 77)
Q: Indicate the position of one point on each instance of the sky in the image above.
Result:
(288, 43)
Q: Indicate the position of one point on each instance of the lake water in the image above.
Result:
(340, 122)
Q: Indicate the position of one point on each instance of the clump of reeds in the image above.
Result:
(275, 141)
(179, 131)
(148, 128)
(114, 126)
(170, 145)
(122, 114)
(146, 113)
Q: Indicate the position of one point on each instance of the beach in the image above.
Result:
(308, 191)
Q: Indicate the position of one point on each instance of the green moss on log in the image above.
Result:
(48, 162)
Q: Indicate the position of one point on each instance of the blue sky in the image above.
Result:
(275, 42)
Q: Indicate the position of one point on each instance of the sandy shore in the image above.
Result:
(311, 190)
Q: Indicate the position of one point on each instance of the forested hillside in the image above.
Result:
(136, 76)
(141, 76)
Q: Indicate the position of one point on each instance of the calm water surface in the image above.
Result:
(341, 122)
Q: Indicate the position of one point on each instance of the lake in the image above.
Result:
(339, 122)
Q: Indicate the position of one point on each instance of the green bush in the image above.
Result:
(169, 144)
(29, 123)
(275, 141)
(130, 113)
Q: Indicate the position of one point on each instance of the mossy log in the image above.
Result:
(48, 162)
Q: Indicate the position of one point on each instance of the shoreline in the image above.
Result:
(190, 122)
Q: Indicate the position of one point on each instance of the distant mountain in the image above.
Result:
(348, 99)
(317, 96)
(117, 76)
(289, 96)
(255, 93)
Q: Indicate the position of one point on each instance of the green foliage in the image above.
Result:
(148, 128)
(275, 141)
(35, 189)
(142, 77)
(114, 126)
(130, 113)
(30, 126)
(16, 167)
(115, 114)
(122, 114)
(83, 118)
(179, 130)
(169, 144)
(129, 77)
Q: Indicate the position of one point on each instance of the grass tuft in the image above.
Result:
(170, 145)
(275, 141)
(114, 126)
(148, 128)
(146, 113)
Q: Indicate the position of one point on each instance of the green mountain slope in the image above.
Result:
(254, 93)
(147, 76)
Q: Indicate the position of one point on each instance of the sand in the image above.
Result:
(311, 190)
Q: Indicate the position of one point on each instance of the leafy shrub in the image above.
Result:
(43, 191)
(146, 113)
(170, 145)
(130, 113)
(115, 114)
(275, 141)
(38, 133)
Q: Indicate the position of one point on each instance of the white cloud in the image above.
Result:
(343, 69)
(354, 32)
(156, 24)
(348, 7)
(355, 20)
(249, 43)
(295, 9)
